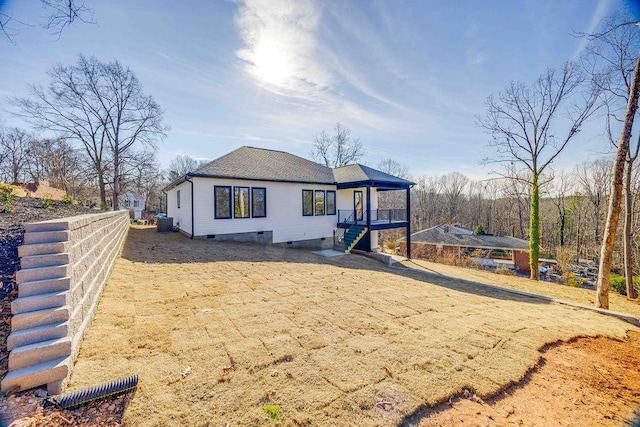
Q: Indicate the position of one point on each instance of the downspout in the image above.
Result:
(193, 224)
(164, 202)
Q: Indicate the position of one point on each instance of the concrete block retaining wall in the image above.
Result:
(64, 264)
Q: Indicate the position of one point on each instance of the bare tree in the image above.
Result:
(181, 165)
(559, 196)
(338, 150)
(593, 178)
(615, 199)
(521, 122)
(60, 15)
(453, 186)
(15, 144)
(394, 168)
(102, 106)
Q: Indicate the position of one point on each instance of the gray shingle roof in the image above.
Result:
(271, 165)
(357, 172)
(458, 236)
(266, 165)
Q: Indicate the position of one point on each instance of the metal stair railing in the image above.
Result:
(345, 231)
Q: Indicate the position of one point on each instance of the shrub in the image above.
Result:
(6, 198)
(392, 246)
(479, 231)
(67, 200)
(47, 202)
(501, 269)
(619, 285)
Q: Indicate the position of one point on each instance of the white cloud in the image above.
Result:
(280, 42)
(285, 57)
(601, 10)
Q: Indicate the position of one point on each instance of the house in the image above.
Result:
(132, 202)
(453, 239)
(258, 195)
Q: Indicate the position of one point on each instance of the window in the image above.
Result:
(259, 202)
(178, 197)
(331, 202)
(319, 202)
(241, 202)
(222, 201)
(307, 202)
(136, 204)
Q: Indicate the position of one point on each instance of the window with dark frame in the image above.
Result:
(331, 202)
(307, 202)
(258, 202)
(178, 198)
(222, 201)
(319, 205)
(241, 203)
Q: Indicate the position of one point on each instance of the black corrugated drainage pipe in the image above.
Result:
(79, 398)
(193, 224)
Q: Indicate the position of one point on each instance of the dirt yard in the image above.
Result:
(249, 335)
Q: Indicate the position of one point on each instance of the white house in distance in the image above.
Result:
(131, 202)
(273, 197)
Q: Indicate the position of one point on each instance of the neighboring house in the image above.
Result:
(133, 203)
(455, 240)
(267, 196)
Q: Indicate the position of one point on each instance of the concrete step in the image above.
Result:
(42, 249)
(43, 273)
(46, 236)
(34, 354)
(33, 376)
(38, 287)
(43, 317)
(39, 302)
(46, 260)
(37, 334)
(51, 225)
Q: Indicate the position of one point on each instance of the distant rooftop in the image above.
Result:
(451, 235)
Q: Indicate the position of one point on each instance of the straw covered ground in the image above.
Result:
(241, 334)
(617, 302)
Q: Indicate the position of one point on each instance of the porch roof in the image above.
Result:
(358, 175)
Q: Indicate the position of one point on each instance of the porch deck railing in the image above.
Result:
(346, 216)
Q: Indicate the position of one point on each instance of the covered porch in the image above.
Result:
(358, 226)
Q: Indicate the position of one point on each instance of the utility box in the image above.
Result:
(164, 225)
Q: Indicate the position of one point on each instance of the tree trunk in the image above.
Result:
(534, 228)
(613, 211)
(628, 230)
(103, 192)
(116, 183)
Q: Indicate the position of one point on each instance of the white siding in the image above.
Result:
(345, 198)
(284, 212)
(181, 216)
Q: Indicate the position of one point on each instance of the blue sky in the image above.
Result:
(407, 77)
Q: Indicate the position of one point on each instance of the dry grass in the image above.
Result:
(617, 302)
(326, 341)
